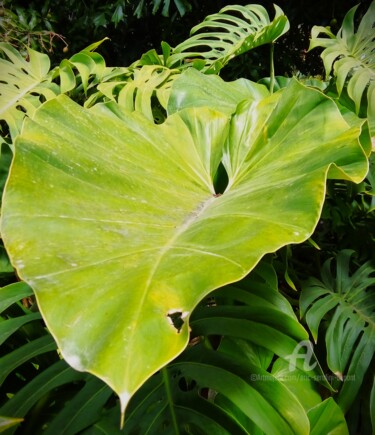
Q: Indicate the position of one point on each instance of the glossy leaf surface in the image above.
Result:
(115, 223)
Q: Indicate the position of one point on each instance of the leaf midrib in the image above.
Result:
(348, 305)
(162, 252)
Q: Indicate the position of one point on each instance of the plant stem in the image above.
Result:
(272, 68)
(170, 399)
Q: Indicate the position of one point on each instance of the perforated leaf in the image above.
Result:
(351, 55)
(232, 31)
(350, 336)
(24, 85)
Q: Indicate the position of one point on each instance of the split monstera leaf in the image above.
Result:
(115, 222)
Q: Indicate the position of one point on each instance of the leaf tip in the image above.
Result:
(124, 400)
(339, 375)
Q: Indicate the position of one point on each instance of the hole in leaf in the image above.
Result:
(176, 319)
(221, 179)
(208, 394)
(21, 109)
(358, 339)
(204, 392)
(186, 384)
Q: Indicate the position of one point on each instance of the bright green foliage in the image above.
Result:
(232, 31)
(8, 326)
(138, 92)
(22, 85)
(347, 303)
(90, 66)
(130, 216)
(327, 418)
(26, 84)
(193, 89)
(13, 293)
(351, 54)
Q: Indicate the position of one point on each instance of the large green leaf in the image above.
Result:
(232, 31)
(115, 223)
(351, 55)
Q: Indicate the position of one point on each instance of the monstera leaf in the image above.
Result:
(115, 223)
(351, 55)
(23, 84)
(350, 336)
(137, 93)
(232, 31)
(26, 84)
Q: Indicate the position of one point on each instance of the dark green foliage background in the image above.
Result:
(136, 30)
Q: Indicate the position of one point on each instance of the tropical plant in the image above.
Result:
(52, 27)
(35, 372)
(229, 33)
(193, 392)
(350, 54)
(26, 84)
(164, 189)
(28, 28)
(346, 301)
